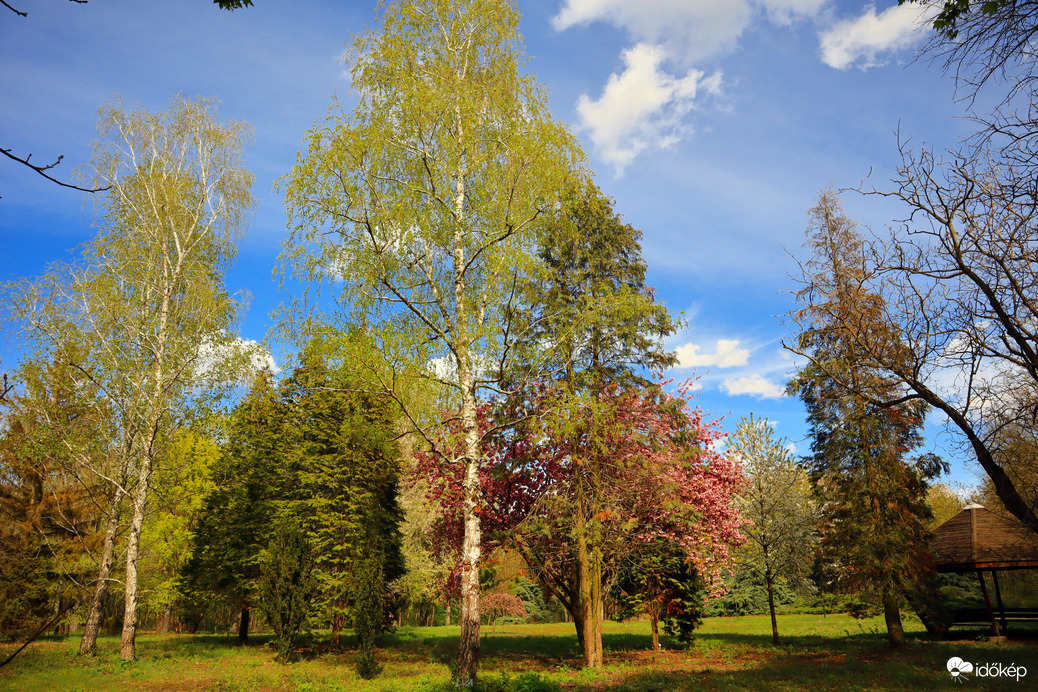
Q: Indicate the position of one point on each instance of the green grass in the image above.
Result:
(817, 653)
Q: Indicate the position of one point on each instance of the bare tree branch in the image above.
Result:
(42, 169)
(26, 14)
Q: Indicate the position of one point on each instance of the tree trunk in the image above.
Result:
(585, 614)
(337, 623)
(243, 626)
(447, 611)
(468, 646)
(578, 625)
(655, 620)
(892, 615)
(597, 601)
(165, 622)
(88, 644)
(128, 646)
(770, 579)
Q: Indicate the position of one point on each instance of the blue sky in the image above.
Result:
(713, 124)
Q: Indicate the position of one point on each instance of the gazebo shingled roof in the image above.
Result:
(978, 539)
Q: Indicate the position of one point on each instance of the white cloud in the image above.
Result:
(726, 354)
(689, 30)
(214, 359)
(861, 41)
(645, 106)
(753, 385)
(642, 108)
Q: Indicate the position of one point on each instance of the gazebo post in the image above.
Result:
(987, 601)
(998, 597)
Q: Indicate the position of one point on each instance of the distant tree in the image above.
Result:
(419, 209)
(776, 503)
(498, 604)
(746, 593)
(944, 503)
(872, 496)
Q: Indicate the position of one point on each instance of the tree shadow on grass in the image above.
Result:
(538, 651)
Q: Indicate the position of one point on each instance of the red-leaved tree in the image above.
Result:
(587, 480)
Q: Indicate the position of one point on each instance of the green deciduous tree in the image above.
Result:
(419, 208)
(179, 490)
(778, 506)
(872, 495)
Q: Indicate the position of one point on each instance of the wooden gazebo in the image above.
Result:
(978, 540)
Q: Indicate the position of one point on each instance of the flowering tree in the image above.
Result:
(579, 491)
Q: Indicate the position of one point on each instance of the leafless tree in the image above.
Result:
(961, 279)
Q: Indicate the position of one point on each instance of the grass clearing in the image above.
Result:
(818, 652)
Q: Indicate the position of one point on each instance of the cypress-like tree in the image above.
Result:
(346, 461)
(319, 453)
(234, 525)
(287, 584)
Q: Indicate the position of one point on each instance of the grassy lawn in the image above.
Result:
(818, 653)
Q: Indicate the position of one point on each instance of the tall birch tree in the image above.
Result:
(419, 209)
(148, 297)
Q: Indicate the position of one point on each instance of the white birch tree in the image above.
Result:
(419, 210)
(148, 298)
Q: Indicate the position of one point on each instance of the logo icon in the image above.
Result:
(958, 668)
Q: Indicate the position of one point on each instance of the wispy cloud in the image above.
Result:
(690, 31)
(862, 41)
